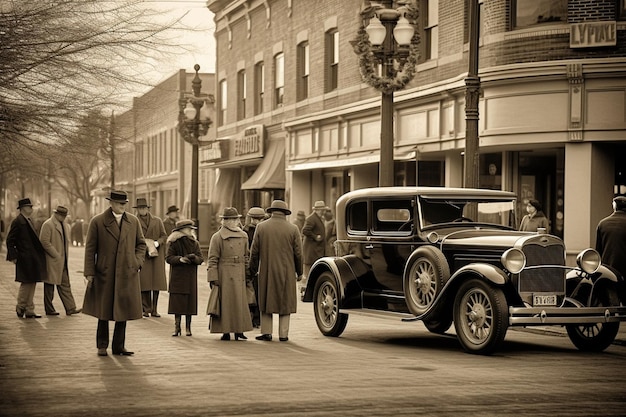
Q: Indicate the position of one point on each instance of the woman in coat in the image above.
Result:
(535, 218)
(228, 264)
(184, 256)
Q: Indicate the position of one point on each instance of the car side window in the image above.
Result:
(392, 215)
(356, 218)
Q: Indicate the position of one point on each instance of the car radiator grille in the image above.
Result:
(544, 279)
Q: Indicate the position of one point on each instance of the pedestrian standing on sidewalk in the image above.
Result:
(227, 267)
(114, 253)
(611, 239)
(171, 217)
(54, 236)
(255, 215)
(153, 271)
(184, 256)
(276, 258)
(313, 239)
(24, 249)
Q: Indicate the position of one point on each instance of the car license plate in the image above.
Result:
(544, 300)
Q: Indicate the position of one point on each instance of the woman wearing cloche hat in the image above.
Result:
(228, 264)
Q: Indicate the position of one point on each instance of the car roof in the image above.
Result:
(439, 192)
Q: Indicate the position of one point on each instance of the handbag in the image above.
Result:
(214, 306)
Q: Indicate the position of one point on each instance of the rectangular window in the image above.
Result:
(621, 14)
(259, 87)
(303, 71)
(223, 103)
(241, 95)
(536, 12)
(279, 80)
(332, 61)
(430, 22)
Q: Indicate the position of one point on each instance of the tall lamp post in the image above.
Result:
(387, 44)
(193, 122)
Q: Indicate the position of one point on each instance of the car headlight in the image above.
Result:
(589, 260)
(513, 260)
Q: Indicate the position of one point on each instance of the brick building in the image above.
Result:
(294, 119)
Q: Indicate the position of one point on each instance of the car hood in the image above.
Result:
(480, 238)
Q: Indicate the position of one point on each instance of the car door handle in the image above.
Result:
(369, 246)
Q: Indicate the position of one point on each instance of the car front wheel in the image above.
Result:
(326, 306)
(426, 277)
(480, 317)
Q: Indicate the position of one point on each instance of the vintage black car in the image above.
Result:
(453, 255)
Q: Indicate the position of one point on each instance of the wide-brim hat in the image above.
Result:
(141, 203)
(118, 196)
(230, 213)
(24, 202)
(301, 213)
(171, 209)
(278, 205)
(62, 211)
(256, 213)
(181, 224)
(320, 205)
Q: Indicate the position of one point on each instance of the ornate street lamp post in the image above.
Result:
(387, 44)
(193, 122)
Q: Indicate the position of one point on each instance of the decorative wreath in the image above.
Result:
(368, 63)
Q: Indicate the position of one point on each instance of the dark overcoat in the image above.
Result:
(24, 246)
(183, 287)
(56, 245)
(169, 225)
(611, 241)
(228, 264)
(312, 248)
(276, 255)
(153, 270)
(113, 256)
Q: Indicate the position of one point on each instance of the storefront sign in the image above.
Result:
(214, 151)
(249, 142)
(592, 34)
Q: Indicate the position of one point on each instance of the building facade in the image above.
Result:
(552, 109)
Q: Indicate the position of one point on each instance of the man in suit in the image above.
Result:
(115, 250)
(314, 239)
(611, 239)
(55, 237)
(25, 250)
(171, 217)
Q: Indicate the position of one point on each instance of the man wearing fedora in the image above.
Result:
(611, 239)
(153, 271)
(255, 216)
(276, 258)
(314, 238)
(171, 217)
(55, 236)
(114, 253)
(24, 249)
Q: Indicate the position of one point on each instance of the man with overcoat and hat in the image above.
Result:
(171, 217)
(611, 239)
(276, 257)
(153, 271)
(314, 238)
(115, 250)
(55, 239)
(24, 249)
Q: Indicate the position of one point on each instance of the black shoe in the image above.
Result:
(225, 336)
(188, 333)
(20, 311)
(156, 315)
(240, 336)
(264, 337)
(124, 353)
(32, 316)
(52, 313)
(283, 339)
(146, 314)
(75, 311)
(102, 352)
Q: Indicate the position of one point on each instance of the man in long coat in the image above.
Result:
(276, 256)
(114, 253)
(25, 251)
(611, 239)
(55, 239)
(314, 239)
(153, 271)
(171, 217)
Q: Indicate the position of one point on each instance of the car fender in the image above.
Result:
(603, 272)
(345, 269)
(604, 275)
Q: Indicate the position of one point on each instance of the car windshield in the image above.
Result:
(435, 211)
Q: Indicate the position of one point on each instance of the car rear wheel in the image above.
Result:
(480, 317)
(598, 336)
(425, 279)
(326, 306)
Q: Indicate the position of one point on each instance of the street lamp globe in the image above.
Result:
(376, 31)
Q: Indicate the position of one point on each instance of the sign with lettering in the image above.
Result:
(592, 34)
(214, 151)
(249, 142)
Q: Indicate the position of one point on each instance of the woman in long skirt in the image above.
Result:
(184, 256)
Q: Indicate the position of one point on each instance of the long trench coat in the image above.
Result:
(313, 249)
(183, 286)
(611, 241)
(228, 264)
(51, 236)
(24, 246)
(113, 256)
(153, 270)
(276, 255)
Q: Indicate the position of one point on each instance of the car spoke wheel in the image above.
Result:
(480, 317)
(598, 336)
(326, 306)
(425, 279)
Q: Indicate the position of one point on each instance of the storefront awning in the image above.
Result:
(270, 174)
(342, 162)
